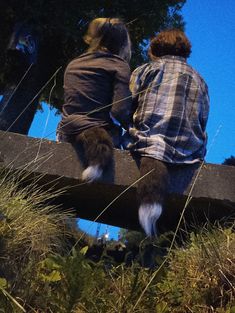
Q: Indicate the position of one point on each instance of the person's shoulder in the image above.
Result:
(117, 61)
(110, 61)
(117, 66)
(197, 76)
(94, 59)
(76, 61)
(105, 55)
(142, 68)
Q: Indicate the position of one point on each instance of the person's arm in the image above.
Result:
(204, 115)
(204, 109)
(122, 100)
(135, 87)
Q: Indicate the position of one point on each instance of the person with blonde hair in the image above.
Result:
(96, 94)
(169, 124)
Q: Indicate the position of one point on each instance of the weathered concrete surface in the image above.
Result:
(213, 195)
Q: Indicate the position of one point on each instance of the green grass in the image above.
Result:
(41, 272)
(201, 276)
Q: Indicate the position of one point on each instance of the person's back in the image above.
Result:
(96, 91)
(89, 82)
(172, 111)
(169, 123)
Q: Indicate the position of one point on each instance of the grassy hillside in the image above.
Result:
(44, 268)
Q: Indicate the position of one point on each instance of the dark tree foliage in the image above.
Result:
(58, 27)
(230, 161)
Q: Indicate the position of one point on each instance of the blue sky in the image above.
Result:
(210, 26)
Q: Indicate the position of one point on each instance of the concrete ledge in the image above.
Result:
(213, 195)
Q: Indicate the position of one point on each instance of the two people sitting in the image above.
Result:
(164, 109)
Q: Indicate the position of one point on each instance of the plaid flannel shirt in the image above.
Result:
(171, 105)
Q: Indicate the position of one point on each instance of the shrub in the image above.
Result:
(201, 276)
(41, 272)
(30, 229)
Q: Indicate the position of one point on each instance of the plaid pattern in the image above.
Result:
(171, 105)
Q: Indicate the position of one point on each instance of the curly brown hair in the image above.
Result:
(170, 42)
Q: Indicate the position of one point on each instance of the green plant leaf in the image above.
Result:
(84, 250)
(52, 277)
(232, 309)
(3, 282)
(49, 263)
(161, 307)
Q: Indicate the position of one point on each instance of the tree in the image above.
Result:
(57, 28)
(229, 161)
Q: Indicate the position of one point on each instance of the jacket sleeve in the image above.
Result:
(122, 100)
(205, 108)
(135, 87)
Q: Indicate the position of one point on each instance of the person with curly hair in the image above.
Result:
(171, 106)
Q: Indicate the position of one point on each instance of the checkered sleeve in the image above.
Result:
(205, 108)
(135, 84)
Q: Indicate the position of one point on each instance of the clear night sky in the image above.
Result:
(210, 26)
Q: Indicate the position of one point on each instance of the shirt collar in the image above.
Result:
(173, 57)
